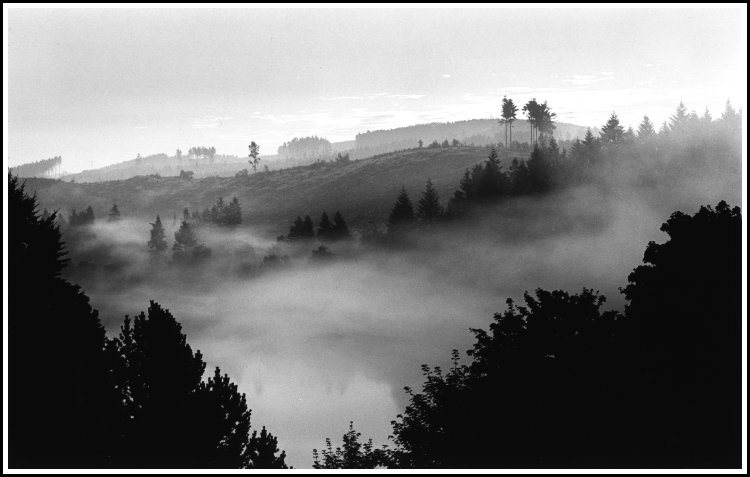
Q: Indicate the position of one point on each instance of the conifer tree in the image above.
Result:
(324, 227)
(114, 214)
(263, 448)
(429, 208)
(679, 119)
(61, 404)
(402, 213)
(184, 239)
(340, 230)
(612, 131)
(157, 243)
(646, 129)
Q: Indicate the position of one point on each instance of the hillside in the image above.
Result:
(474, 132)
(362, 190)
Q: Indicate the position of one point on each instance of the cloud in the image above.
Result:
(446, 75)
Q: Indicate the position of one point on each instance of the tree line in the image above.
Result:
(44, 168)
(549, 167)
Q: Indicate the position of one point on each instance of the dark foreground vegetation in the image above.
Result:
(557, 382)
(82, 399)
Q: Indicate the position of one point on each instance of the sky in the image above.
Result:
(99, 86)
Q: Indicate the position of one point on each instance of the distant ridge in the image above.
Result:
(477, 132)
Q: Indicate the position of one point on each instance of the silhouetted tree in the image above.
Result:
(157, 243)
(340, 230)
(85, 217)
(302, 229)
(254, 155)
(685, 305)
(114, 214)
(352, 454)
(263, 449)
(324, 227)
(612, 131)
(509, 110)
(402, 213)
(61, 404)
(175, 419)
(429, 208)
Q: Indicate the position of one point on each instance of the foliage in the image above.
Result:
(84, 217)
(352, 454)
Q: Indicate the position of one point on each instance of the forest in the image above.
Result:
(541, 224)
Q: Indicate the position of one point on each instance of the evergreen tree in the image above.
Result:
(157, 243)
(490, 181)
(61, 402)
(612, 131)
(509, 110)
(679, 120)
(263, 449)
(429, 208)
(114, 214)
(308, 229)
(402, 213)
(646, 130)
(340, 230)
(325, 227)
(184, 239)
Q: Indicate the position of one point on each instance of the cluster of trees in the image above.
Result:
(435, 144)
(84, 217)
(222, 214)
(556, 382)
(404, 216)
(44, 168)
(548, 167)
(201, 152)
(305, 148)
(186, 245)
(79, 399)
(303, 229)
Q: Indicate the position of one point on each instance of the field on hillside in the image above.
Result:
(362, 190)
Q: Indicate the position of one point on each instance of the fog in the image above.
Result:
(316, 344)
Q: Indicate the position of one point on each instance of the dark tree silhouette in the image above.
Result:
(85, 217)
(61, 402)
(254, 155)
(340, 230)
(173, 419)
(157, 243)
(612, 131)
(509, 110)
(114, 214)
(402, 213)
(558, 383)
(302, 229)
(324, 228)
(685, 304)
(352, 454)
(429, 208)
(262, 451)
